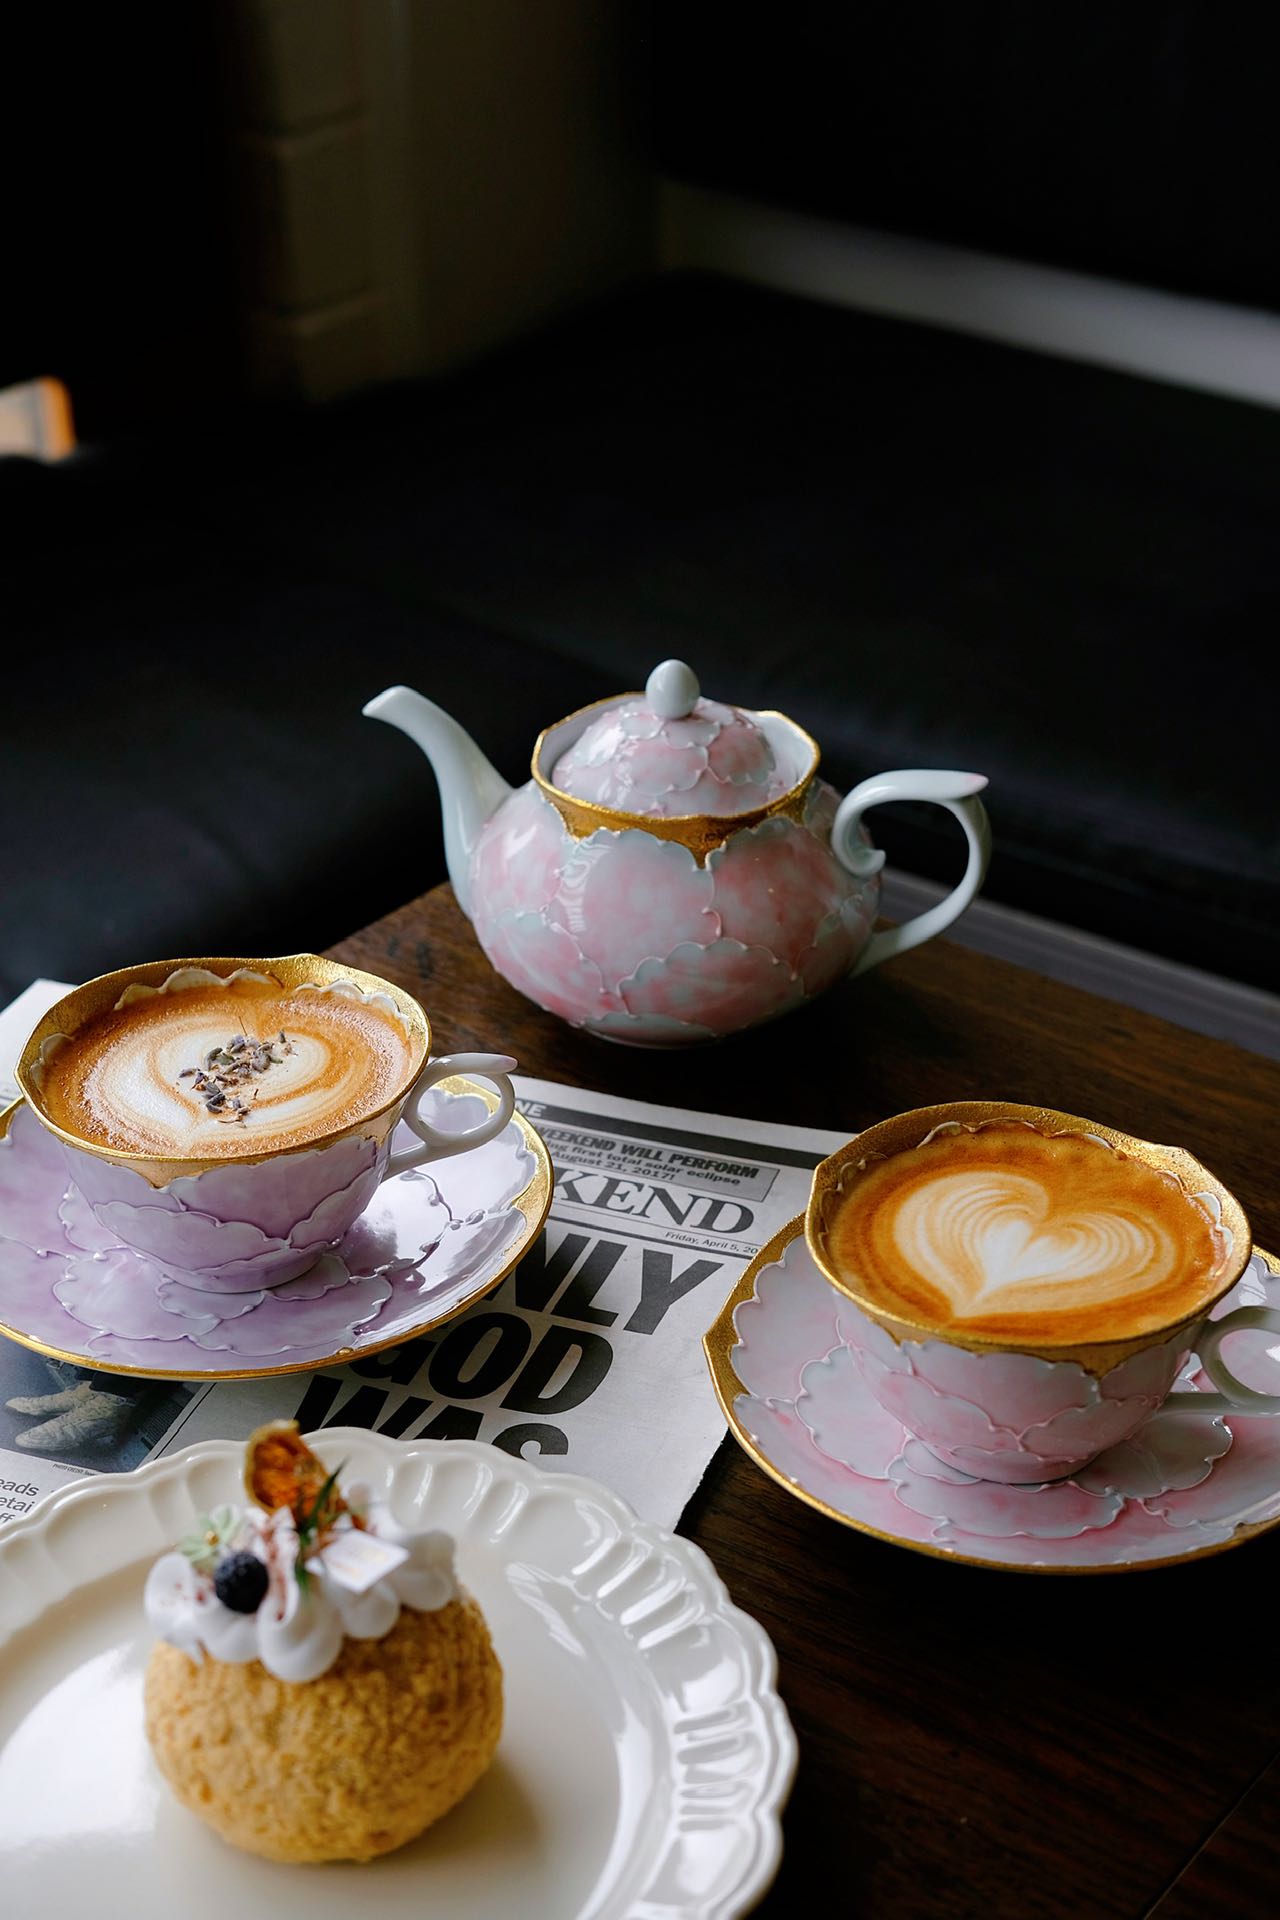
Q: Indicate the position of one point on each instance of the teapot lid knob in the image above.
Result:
(672, 690)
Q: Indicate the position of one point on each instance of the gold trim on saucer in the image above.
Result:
(701, 833)
(906, 1130)
(100, 995)
(719, 1344)
(534, 1202)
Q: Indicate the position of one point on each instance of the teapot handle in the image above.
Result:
(954, 791)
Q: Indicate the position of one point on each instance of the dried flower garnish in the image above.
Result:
(280, 1470)
(235, 1066)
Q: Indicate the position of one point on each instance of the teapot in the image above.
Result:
(675, 870)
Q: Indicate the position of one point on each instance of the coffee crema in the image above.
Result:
(125, 1080)
(1013, 1233)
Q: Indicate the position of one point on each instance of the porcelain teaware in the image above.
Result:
(238, 1224)
(675, 870)
(1016, 1408)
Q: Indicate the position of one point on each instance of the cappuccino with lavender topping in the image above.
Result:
(241, 1067)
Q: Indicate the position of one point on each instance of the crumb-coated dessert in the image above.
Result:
(324, 1690)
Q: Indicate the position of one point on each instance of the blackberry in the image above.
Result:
(240, 1581)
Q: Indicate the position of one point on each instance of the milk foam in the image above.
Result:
(987, 1238)
(122, 1081)
(1008, 1231)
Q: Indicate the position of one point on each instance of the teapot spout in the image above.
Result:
(471, 789)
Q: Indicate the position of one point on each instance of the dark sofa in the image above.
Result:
(929, 550)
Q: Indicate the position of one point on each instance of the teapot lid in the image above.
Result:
(668, 752)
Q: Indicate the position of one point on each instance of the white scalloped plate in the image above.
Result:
(645, 1755)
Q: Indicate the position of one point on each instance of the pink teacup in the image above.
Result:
(235, 1224)
(1023, 1410)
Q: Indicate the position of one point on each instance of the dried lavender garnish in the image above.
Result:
(237, 1064)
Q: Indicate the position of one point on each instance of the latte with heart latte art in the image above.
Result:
(217, 1071)
(1005, 1231)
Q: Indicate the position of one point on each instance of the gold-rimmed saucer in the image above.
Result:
(66, 1292)
(775, 1350)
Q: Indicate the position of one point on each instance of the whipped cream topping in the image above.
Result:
(297, 1632)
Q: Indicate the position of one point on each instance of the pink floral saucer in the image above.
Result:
(1185, 1484)
(426, 1247)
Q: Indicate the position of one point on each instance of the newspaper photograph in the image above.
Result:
(587, 1358)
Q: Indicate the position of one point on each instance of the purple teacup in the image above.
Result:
(250, 1216)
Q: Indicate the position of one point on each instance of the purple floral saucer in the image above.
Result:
(426, 1247)
(1185, 1484)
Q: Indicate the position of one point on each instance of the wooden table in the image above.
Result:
(971, 1742)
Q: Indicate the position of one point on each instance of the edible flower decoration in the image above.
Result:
(220, 1549)
(225, 1072)
(215, 1533)
(307, 1564)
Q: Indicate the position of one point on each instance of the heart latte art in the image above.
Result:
(1010, 1232)
(133, 1080)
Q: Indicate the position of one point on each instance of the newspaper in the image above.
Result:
(587, 1358)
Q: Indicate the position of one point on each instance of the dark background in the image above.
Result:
(122, 267)
(1134, 141)
(928, 549)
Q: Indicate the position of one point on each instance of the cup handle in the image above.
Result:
(954, 791)
(493, 1067)
(1233, 1396)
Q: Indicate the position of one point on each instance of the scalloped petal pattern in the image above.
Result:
(428, 1246)
(101, 1291)
(666, 900)
(1062, 1511)
(716, 759)
(1171, 1452)
(239, 1226)
(30, 1178)
(622, 923)
(545, 963)
(193, 1242)
(837, 943)
(846, 1420)
(275, 1193)
(945, 1424)
(795, 1313)
(81, 1225)
(517, 870)
(775, 887)
(1008, 1416)
(1181, 1483)
(724, 986)
(319, 1309)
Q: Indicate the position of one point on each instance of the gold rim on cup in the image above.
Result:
(906, 1130)
(719, 1345)
(100, 995)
